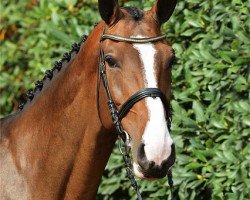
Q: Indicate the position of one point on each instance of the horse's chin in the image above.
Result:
(139, 174)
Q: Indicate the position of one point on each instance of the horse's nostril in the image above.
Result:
(144, 163)
(141, 157)
(170, 160)
(151, 164)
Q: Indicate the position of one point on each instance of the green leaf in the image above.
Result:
(217, 43)
(199, 155)
(198, 111)
(195, 165)
(189, 32)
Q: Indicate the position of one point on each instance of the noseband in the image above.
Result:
(118, 115)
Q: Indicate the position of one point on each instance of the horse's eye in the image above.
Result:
(111, 61)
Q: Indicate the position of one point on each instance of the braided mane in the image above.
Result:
(29, 96)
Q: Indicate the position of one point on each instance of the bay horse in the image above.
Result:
(58, 144)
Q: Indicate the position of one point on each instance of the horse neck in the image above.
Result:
(58, 142)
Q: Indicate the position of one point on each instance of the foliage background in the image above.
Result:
(210, 85)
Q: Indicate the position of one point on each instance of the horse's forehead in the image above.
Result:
(129, 27)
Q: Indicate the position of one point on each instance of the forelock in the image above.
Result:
(136, 14)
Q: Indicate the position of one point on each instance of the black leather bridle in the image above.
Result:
(118, 115)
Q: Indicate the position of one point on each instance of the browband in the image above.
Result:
(132, 39)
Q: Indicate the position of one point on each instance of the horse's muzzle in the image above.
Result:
(149, 169)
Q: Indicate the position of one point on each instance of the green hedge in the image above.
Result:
(211, 124)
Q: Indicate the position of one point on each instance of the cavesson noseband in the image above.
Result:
(118, 115)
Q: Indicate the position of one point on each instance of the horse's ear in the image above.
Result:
(109, 11)
(163, 9)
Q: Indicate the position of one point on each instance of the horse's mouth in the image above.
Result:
(149, 170)
(148, 175)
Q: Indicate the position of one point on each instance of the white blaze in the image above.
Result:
(156, 136)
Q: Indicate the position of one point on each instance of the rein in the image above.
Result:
(118, 115)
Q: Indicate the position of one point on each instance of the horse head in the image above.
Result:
(138, 57)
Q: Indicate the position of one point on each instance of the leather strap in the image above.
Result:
(132, 39)
(146, 92)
